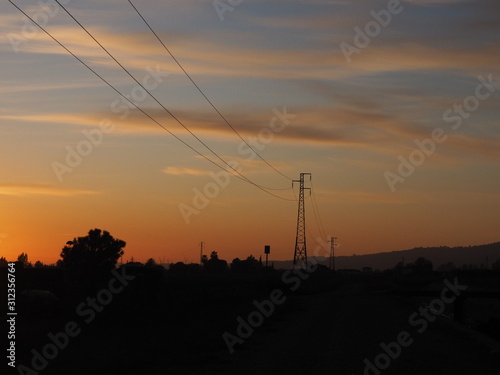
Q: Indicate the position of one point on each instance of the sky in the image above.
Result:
(393, 107)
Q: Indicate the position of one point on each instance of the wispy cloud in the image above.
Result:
(54, 118)
(184, 171)
(27, 190)
(354, 122)
(44, 87)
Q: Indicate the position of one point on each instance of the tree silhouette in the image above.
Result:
(248, 265)
(450, 266)
(98, 250)
(204, 259)
(3, 262)
(496, 265)
(214, 264)
(132, 262)
(88, 260)
(235, 264)
(179, 268)
(421, 265)
(150, 262)
(23, 258)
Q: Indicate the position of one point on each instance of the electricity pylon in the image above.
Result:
(332, 253)
(300, 254)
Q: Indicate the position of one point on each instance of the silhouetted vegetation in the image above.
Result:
(132, 262)
(97, 250)
(248, 265)
(88, 260)
(150, 263)
(184, 309)
(215, 265)
(421, 265)
(179, 268)
(447, 267)
(23, 258)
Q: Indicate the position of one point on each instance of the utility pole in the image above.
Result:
(201, 253)
(300, 254)
(332, 253)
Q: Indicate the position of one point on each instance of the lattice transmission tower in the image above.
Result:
(332, 253)
(300, 255)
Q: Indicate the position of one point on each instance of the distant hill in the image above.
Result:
(470, 255)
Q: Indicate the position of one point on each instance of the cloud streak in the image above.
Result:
(177, 171)
(30, 190)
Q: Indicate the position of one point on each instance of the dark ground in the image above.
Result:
(336, 331)
(316, 331)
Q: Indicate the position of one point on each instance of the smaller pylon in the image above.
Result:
(332, 253)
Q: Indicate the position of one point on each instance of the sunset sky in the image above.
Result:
(356, 105)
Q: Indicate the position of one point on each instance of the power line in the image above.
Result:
(203, 94)
(163, 107)
(135, 105)
(317, 217)
(317, 221)
(316, 211)
(154, 98)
